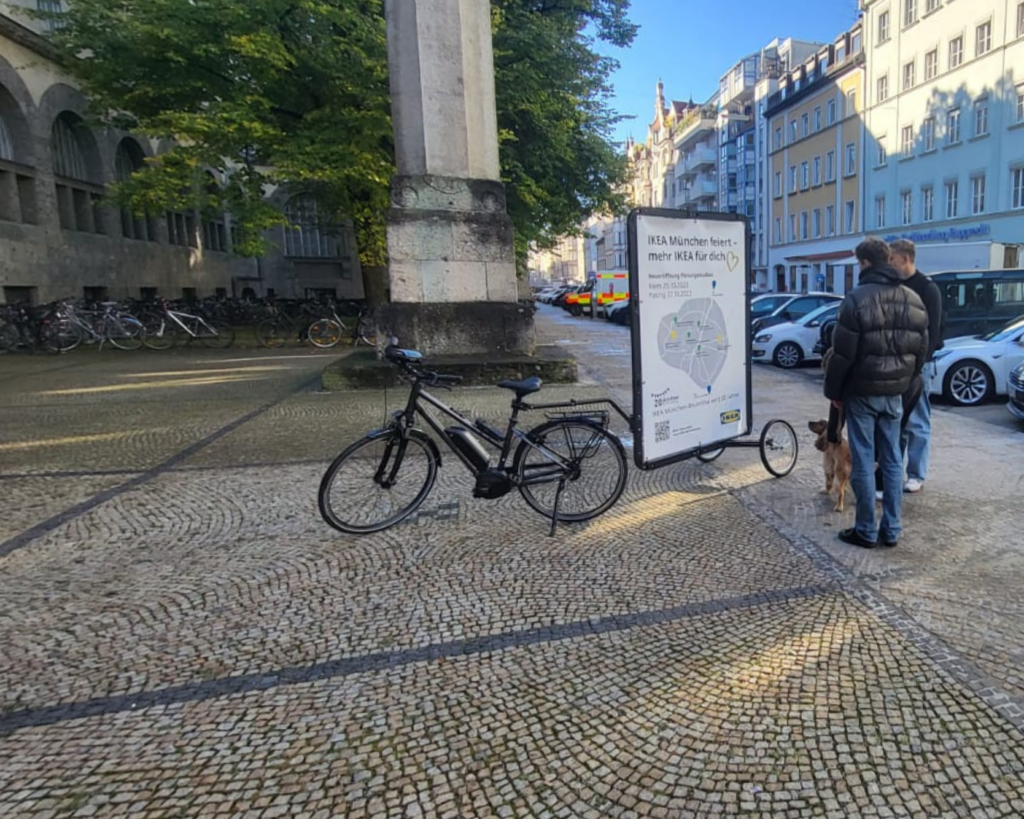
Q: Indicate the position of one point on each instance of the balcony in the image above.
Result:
(694, 127)
(701, 159)
(699, 191)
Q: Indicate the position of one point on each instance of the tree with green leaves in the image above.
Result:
(557, 158)
(295, 92)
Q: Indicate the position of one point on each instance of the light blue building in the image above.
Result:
(944, 143)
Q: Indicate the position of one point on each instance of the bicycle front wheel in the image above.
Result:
(378, 481)
(590, 459)
(159, 333)
(125, 333)
(325, 333)
(221, 337)
(779, 448)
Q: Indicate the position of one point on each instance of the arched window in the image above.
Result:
(68, 156)
(78, 176)
(214, 232)
(307, 235)
(6, 141)
(17, 180)
(128, 159)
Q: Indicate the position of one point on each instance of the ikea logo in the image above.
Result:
(731, 417)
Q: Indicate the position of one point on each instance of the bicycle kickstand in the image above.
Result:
(554, 513)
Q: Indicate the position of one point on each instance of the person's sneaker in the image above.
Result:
(854, 538)
(913, 486)
(889, 541)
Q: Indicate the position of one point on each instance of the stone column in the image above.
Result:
(452, 264)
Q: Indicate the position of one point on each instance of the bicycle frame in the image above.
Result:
(404, 420)
(198, 322)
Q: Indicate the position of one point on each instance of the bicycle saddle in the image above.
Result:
(397, 354)
(527, 386)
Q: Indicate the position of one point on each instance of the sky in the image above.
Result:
(690, 44)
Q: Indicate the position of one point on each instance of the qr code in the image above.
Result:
(661, 432)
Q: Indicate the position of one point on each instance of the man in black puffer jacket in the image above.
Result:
(879, 346)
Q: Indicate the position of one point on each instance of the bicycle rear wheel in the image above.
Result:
(61, 336)
(273, 333)
(325, 333)
(223, 334)
(125, 332)
(366, 333)
(377, 482)
(779, 448)
(594, 469)
(160, 333)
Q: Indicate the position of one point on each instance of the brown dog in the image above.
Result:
(837, 462)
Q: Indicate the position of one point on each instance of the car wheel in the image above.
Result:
(968, 383)
(787, 355)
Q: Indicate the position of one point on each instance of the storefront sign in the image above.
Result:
(953, 234)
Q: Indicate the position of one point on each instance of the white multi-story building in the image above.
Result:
(695, 139)
(944, 149)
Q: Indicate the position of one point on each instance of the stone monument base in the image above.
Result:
(362, 370)
(479, 328)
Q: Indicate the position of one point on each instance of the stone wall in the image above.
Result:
(59, 236)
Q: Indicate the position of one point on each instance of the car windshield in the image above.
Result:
(764, 306)
(821, 312)
(1007, 332)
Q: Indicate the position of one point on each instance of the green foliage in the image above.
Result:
(554, 121)
(295, 92)
(262, 92)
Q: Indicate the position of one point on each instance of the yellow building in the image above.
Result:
(815, 178)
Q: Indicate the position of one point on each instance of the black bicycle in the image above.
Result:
(569, 468)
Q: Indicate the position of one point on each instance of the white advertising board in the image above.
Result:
(689, 279)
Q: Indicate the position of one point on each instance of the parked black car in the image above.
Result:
(1016, 390)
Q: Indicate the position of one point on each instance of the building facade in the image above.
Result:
(565, 263)
(777, 58)
(814, 169)
(695, 139)
(654, 161)
(711, 156)
(61, 237)
(944, 159)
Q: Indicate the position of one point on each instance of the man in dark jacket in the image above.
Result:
(915, 441)
(878, 348)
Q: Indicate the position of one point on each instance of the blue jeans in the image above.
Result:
(917, 436)
(873, 427)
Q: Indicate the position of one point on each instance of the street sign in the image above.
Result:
(689, 279)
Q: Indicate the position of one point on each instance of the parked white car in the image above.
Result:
(971, 369)
(786, 345)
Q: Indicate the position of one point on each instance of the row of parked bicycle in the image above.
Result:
(160, 324)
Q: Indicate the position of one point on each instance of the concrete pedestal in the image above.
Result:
(452, 269)
(450, 246)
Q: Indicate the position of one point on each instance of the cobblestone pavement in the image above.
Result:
(183, 637)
